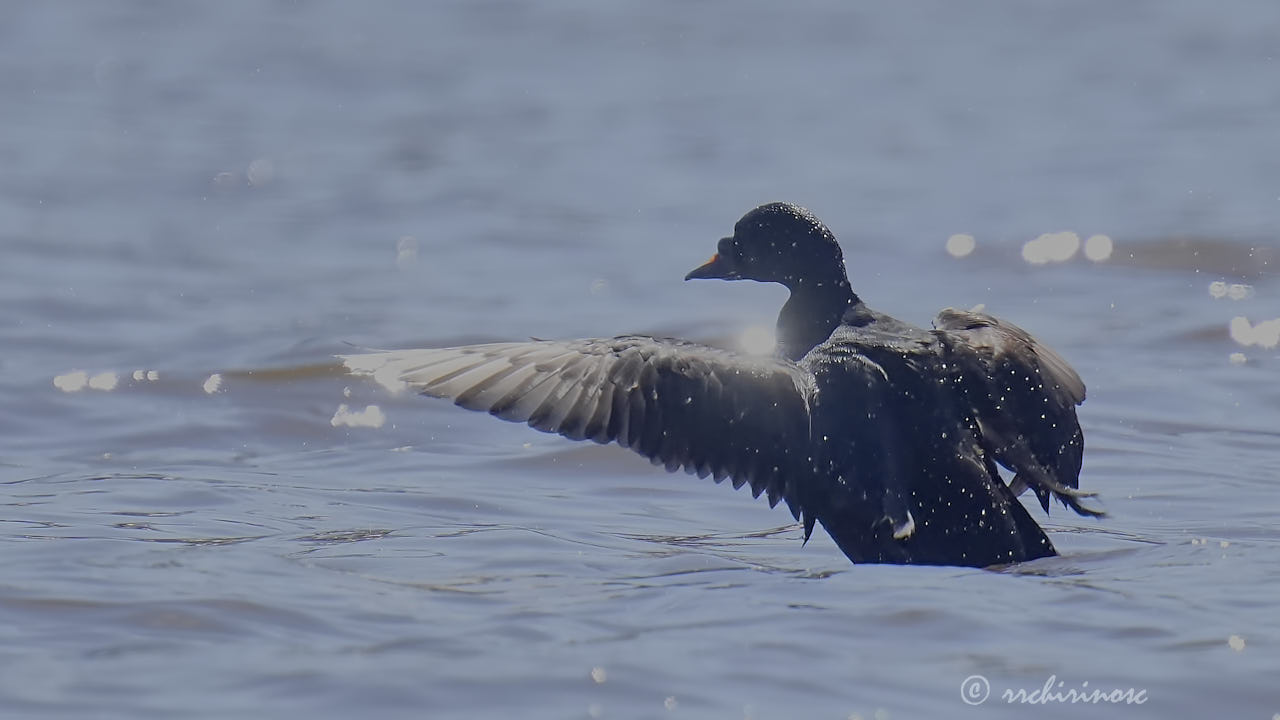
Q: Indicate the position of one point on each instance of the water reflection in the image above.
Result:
(961, 245)
(1235, 291)
(1098, 248)
(1051, 247)
(372, 417)
(1212, 256)
(1265, 334)
(213, 383)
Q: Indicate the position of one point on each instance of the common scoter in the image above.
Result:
(1024, 393)
(884, 433)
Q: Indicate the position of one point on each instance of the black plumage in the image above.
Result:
(884, 433)
(1023, 393)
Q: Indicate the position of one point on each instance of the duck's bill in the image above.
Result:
(717, 268)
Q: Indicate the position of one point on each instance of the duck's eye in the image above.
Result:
(731, 250)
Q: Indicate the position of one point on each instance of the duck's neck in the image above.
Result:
(811, 313)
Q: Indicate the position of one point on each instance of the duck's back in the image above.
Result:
(909, 482)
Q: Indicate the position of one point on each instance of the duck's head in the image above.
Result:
(778, 242)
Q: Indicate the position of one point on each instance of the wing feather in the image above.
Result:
(1026, 396)
(1004, 342)
(682, 405)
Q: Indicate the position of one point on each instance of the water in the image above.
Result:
(248, 188)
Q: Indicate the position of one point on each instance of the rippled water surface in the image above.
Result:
(201, 204)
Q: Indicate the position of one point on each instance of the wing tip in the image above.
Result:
(381, 366)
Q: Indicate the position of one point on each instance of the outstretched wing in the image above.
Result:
(682, 405)
(1002, 342)
(1027, 406)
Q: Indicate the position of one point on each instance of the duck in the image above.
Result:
(1024, 393)
(887, 435)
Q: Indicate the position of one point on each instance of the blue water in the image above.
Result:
(248, 188)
